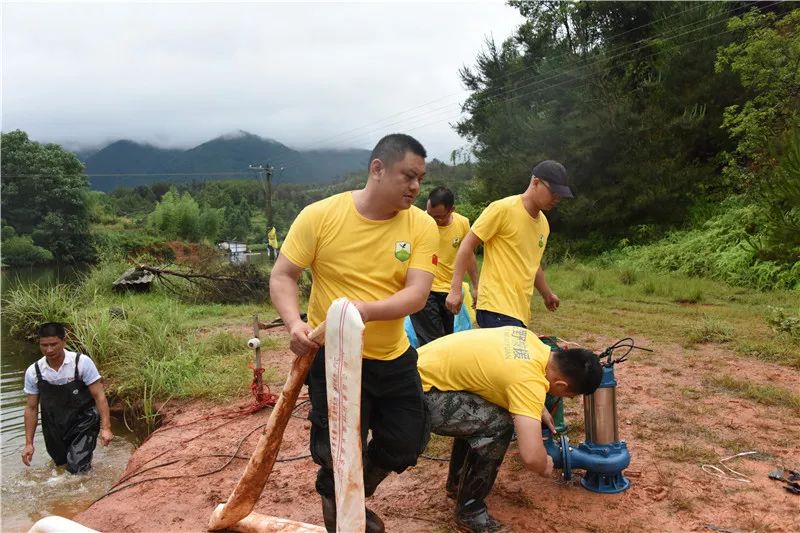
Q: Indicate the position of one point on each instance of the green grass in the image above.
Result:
(761, 393)
(669, 308)
(150, 347)
(689, 453)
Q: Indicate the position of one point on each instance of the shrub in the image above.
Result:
(720, 249)
(123, 242)
(20, 251)
(781, 321)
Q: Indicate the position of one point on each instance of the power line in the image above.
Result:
(509, 75)
(446, 113)
(539, 81)
(518, 158)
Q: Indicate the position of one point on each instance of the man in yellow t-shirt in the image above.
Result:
(435, 320)
(375, 248)
(483, 385)
(272, 243)
(514, 233)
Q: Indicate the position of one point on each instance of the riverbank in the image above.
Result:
(722, 380)
(673, 424)
(152, 347)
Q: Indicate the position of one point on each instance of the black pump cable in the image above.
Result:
(621, 344)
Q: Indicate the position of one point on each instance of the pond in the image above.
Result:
(30, 493)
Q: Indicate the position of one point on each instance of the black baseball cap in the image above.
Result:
(555, 175)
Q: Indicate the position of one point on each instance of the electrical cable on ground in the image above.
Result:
(715, 471)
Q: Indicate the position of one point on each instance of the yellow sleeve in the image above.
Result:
(488, 223)
(526, 399)
(425, 247)
(300, 245)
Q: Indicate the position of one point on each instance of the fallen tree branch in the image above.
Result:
(191, 276)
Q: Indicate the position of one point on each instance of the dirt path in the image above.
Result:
(671, 413)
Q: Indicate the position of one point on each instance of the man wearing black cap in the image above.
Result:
(514, 233)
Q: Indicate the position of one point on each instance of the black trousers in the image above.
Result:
(490, 319)
(392, 406)
(434, 320)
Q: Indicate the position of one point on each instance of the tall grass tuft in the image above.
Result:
(99, 280)
(708, 330)
(588, 280)
(27, 307)
(627, 276)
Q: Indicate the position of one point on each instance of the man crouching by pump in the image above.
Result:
(74, 406)
(483, 385)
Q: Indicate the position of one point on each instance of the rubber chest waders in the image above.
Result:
(70, 422)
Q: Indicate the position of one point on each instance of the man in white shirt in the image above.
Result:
(74, 405)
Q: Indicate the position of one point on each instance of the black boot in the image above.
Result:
(457, 457)
(374, 522)
(477, 478)
(479, 522)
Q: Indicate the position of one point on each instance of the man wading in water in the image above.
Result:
(74, 406)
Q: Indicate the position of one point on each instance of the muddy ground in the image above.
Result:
(670, 413)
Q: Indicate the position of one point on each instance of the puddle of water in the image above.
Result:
(30, 493)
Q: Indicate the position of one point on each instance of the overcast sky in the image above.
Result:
(306, 74)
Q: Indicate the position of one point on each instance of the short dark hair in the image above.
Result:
(442, 196)
(53, 329)
(393, 148)
(581, 368)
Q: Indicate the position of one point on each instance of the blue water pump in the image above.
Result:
(603, 455)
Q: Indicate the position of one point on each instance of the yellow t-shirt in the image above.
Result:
(513, 244)
(272, 238)
(360, 259)
(450, 238)
(505, 366)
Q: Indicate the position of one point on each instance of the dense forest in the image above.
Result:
(679, 124)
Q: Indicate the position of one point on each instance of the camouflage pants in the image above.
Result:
(482, 432)
(485, 426)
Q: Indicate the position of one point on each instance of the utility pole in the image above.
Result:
(267, 169)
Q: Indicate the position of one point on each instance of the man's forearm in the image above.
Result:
(464, 258)
(406, 301)
(31, 420)
(473, 271)
(104, 411)
(286, 298)
(540, 283)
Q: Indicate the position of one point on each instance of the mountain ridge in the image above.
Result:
(127, 163)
